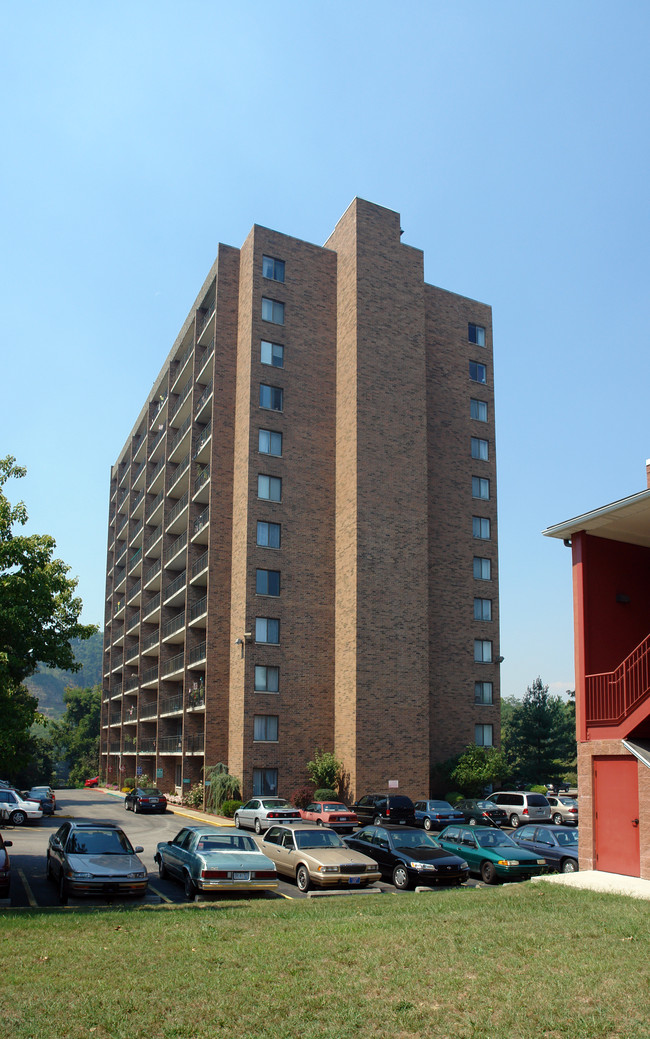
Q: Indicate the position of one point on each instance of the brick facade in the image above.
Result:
(377, 630)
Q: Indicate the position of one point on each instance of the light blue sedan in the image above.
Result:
(215, 859)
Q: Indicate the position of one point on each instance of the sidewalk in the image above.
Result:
(595, 880)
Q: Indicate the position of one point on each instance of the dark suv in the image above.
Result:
(382, 808)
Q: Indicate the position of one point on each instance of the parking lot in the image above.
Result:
(29, 884)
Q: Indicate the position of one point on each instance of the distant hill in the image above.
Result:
(49, 683)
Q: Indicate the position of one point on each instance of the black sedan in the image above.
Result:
(407, 856)
(482, 813)
(558, 845)
(145, 799)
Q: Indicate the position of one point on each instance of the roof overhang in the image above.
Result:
(640, 749)
(625, 520)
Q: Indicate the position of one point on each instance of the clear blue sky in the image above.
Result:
(513, 139)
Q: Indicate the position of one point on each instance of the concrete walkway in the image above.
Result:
(595, 880)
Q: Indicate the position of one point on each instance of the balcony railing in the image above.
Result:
(175, 624)
(194, 742)
(177, 509)
(611, 697)
(202, 477)
(148, 710)
(147, 746)
(198, 609)
(175, 663)
(172, 704)
(170, 745)
(196, 654)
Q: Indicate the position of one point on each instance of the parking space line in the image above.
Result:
(30, 897)
(157, 892)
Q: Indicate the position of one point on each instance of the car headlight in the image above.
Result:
(79, 876)
(328, 869)
(136, 876)
(508, 862)
(541, 862)
(421, 865)
(464, 865)
(370, 869)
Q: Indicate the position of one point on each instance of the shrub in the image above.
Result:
(229, 808)
(129, 784)
(302, 797)
(539, 789)
(454, 797)
(325, 795)
(194, 796)
(221, 786)
(325, 770)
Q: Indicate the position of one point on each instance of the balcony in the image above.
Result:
(156, 444)
(200, 527)
(135, 531)
(176, 554)
(201, 486)
(612, 697)
(131, 684)
(149, 678)
(174, 626)
(151, 546)
(177, 440)
(173, 666)
(133, 596)
(176, 519)
(149, 710)
(197, 655)
(194, 743)
(135, 562)
(182, 364)
(137, 506)
(198, 610)
(151, 640)
(156, 477)
(170, 745)
(174, 593)
(182, 405)
(151, 608)
(203, 404)
(147, 746)
(203, 362)
(178, 483)
(199, 571)
(151, 573)
(201, 451)
(171, 705)
(153, 514)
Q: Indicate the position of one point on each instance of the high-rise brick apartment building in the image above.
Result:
(302, 547)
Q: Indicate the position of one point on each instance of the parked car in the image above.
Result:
(316, 855)
(46, 790)
(145, 799)
(330, 813)
(435, 815)
(94, 781)
(5, 868)
(491, 853)
(39, 797)
(407, 856)
(215, 858)
(485, 813)
(563, 809)
(557, 844)
(16, 810)
(521, 806)
(261, 812)
(94, 859)
(384, 808)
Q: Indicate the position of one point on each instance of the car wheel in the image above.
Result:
(18, 818)
(377, 820)
(302, 878)
(189, 887)
(134, 807)
(126, 804)
(319, 822)
(488, 873)
(427, 823)
(162, 870)
(63, 891)
(236, 821)
(514, 821)
(557, 819)
(569, 866)
(400, 878)
(472, 822)
(258, 826)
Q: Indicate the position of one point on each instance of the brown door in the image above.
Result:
(616, 815)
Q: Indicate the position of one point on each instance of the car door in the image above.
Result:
(246, 814)
(176, 855)
(280, 846)
(56, 848)
(382, 852)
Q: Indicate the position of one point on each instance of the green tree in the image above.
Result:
(539, 736)
(76, 736)
(39, 615)
(325, 771)
(221, 786)
(478, 768)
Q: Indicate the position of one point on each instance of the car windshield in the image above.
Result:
(99, 842)
(570, 802)
(225, 842)
(318, 839)
(334, 808)
(440, 806)
(276, 802)
(566, 837)
(413, 840)
(494, 839)
(485, 806)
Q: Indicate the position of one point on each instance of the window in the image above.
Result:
(480, 488)
(475, 333)
(274, 269)
(269, 487)
(478, 409)
(482, 609)
(267, 582)
(270, 443)
(482, 568)
(481, 527)
(482, 651)
(271, 397)
(267, 679)
(265, 728)
(477, 372)
(483, 692)
(268, 534)
(483, 735)
(267, 629)
(479, 448)
(265, 782)
(272, 353)
(273, 311)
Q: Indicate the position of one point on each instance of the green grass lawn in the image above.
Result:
(515, 962)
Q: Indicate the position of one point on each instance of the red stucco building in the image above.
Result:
(610, 548)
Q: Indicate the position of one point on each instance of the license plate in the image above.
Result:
(354, 880)
(241, 876)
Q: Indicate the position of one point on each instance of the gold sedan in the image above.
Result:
(316, 855)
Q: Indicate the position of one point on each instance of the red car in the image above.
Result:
(92, 782)
(5, 870)
(330, 813)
